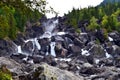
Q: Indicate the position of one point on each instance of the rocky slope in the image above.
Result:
(55, 51)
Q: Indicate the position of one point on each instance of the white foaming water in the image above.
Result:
(47, 34)
(63, 59)
(31, 61)
(83, 33)
(50, 25)
(19, 50)
(47, 53)
(85, 52)
(52, 51)
(110, 39)
(61, 33)
(25, 59)
(106, 54)
(97, 61)
(37, 44)
(34, 42)
(28, 40)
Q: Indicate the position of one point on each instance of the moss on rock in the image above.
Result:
(5, 73)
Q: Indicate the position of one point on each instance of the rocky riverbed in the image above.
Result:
(55, 51)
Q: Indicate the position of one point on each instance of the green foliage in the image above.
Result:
(13, 16)
(97, 41)
(4, 26)
(104, 22)
(4, 76)
(106, 14)
(5, 73)
(93, 24)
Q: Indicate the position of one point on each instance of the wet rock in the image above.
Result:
(75, 49)
(63, 65)
(18, 57)
(116, 37)
(97, 51)
(79, 43)
(84, 39)
(87, 65)
(12, 65)
(117, 61)
(38, 30)
(28, 47)
(19, 40)
(7, 47)
(44, 44)
(90, 70)
(71, 36)
(59, 38)
(58, 48)
(63, 52)
(37, 59)
(48, 59)
(100, 35)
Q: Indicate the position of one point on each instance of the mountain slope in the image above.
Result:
(109, 1)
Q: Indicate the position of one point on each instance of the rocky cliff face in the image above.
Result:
(86, 55)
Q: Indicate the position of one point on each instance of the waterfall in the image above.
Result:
(61, 33)
(19, 50)
(106, 54)
(110, 39)
(47, 51)
(52, 51)
(34, 42)
(86, 52)
(63, 59)
(37, 44)
(50, 25)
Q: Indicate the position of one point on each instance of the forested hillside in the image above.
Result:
(13, 16)
(105, 16)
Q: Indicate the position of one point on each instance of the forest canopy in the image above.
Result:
(104, 16)
(15, 13)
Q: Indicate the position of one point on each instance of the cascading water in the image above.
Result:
(19, 49)
(86, 52)
(49, 27)
(52, 45)
(37, 44)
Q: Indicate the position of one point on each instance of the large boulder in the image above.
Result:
(38, 30)
(28, 47)
(13, 66)
(75, 49)
(97, 51)
(19, 39)
(100, 34)
(116, 37)
(46, 72)
(7, 47)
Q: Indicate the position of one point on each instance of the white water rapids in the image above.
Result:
(49, 32)
(49, 27)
